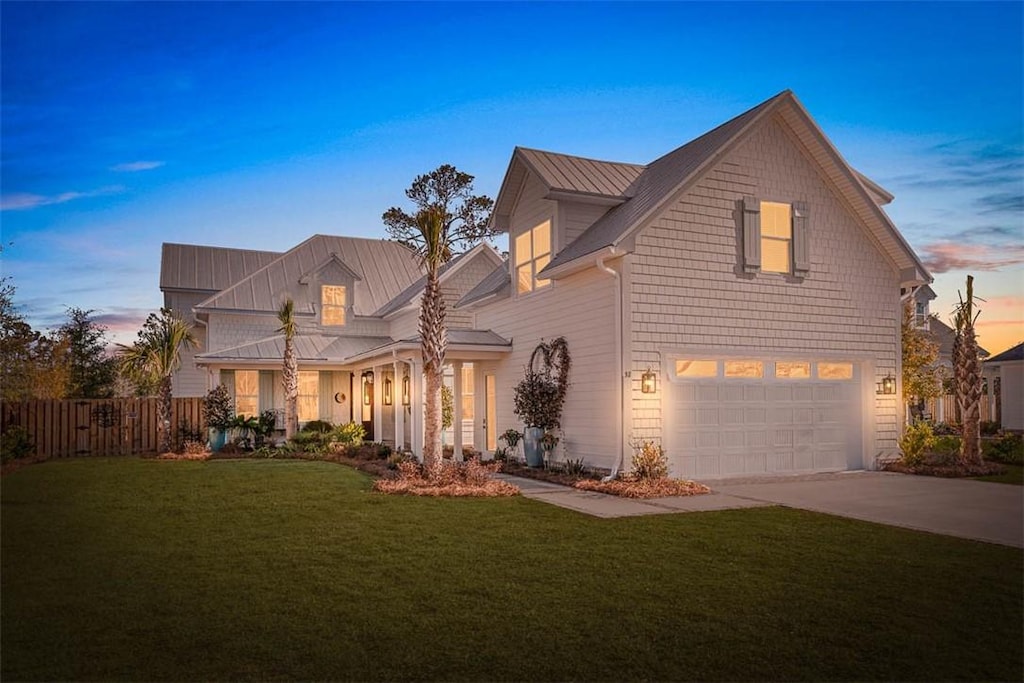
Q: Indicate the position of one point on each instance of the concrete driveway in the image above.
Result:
(957, 507)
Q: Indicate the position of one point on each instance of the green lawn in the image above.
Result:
(123, 569)
(1014, 474)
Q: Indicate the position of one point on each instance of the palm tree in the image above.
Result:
(967, 366)
(290, 369)
(431, 223)
(154, 358)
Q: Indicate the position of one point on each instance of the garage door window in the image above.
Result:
(747, 369)
(793, 370)
(838, 371)
(696, 368)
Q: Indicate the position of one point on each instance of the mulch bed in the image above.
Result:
(518, 469)
(949, 471)
(644, 488)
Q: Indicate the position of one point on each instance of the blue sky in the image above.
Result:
(255, 125)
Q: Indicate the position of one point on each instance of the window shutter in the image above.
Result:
(801, 240)
(266, 390)
(227, 378)
(326, 395)
(751, 234)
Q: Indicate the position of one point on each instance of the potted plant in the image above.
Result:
(539, 396)
(511, 438)
(547, 444)
(219, 415)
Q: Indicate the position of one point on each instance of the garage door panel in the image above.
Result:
(724, 427)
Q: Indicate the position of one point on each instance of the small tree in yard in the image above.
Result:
(448, 218)
(153, 359)
(91, 371)
(290, 369)
(967, 376)
(922, 378)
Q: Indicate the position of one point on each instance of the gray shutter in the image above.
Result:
(227, 378)
(266, 390)
(801, 240)
(326, 395)
(751, 234)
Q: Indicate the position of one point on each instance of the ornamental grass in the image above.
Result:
(451, 479)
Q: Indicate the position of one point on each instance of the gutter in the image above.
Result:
(599, 262)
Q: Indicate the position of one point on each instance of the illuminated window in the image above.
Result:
(696, 368)
(332, 305)
(309, 395)
(247, 392)
(792, 369)
(835, 370)
(776, 237)
(744, 368)
(533, 252)
(467, 392)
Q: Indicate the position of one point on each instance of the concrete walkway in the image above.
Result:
(956, 507)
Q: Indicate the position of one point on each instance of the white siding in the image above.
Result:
(188, 380)
(574, 218)
(688, 292)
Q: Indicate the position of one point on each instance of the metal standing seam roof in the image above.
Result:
(385, 269)
(194, 266)
(308, 347)
(461, 336)
(656, 185)
(567, 173)
(496, 282)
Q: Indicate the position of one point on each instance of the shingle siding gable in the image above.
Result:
(688, 289)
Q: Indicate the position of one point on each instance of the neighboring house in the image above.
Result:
(751, 273)
(1008, 369)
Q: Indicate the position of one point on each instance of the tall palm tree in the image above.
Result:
(968, 377)
(432, 225)
(153, 359)
(290, 369)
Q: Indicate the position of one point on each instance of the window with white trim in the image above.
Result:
(247, 392)
(776, 237)
(309, 395)
(532, 253)
(333, 300)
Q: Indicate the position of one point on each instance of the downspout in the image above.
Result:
(600, 263)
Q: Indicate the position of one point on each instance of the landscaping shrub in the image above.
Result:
(349, 433)
(915, 442)
(1007, 449)
(15, 444)
(317, 426)
(649, 461)
(946, 446)
(946, 429)
(989, 428)
(452, 479)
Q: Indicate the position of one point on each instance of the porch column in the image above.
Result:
(416, 412)
(457, 411)
(397, 406)
(378, 404)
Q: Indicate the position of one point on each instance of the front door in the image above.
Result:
(366, 399)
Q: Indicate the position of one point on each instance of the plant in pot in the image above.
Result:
(540, 395)
(219, 415)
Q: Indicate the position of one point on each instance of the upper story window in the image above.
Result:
(921, 314)
(533, 252)
(776, 237)
(333, 301)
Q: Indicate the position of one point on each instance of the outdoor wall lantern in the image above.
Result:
(367, 388)
(405, 391)
(649, 382)
(387, 391)
(887, 386)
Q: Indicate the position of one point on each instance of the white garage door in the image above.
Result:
(729, 417)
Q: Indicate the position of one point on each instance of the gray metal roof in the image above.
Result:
(308, 347)
(1013, 353)
(413, 290)
(459, 336)
(385, 269)
(194, 266)
(566, 173)
(656, 186)
(497, 282)
(943, 335)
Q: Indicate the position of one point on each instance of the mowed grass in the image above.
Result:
(1014, 474)
(124, 569)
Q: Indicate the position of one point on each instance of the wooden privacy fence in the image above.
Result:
(65, 428)
(943, 409)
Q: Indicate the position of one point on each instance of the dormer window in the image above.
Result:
(533, 252)
(333, 301)
(921, 314)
